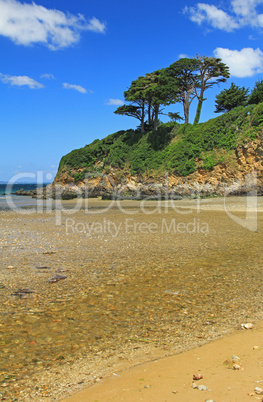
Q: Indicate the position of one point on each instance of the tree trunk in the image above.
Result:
(156, 115)
(149, 114)
(186, 105)
(186, 113)
(199, 107)
(198, 111)
(142, 118)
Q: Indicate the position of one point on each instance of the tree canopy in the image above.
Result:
(256, 95)
(146, 96)
(180, 78)
(211, 71)
(182, 82)
(230, 98)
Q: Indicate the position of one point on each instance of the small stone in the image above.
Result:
(237, 367)
(248, 325)
(197, 377)
(202, 388)
(147, 386)
(258, 391)
(234, 357)
(194, 386)
(174, 392)
(57, 278)
(22, 292)
(43, 267)
(255, 347)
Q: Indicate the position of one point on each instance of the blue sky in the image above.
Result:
(65, 65)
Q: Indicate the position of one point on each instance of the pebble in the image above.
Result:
(22, 292)
(197, 377)
(234, 357)
(255, 347)
(44, 267)
(56, 278)
(247, 326)
(237, 367)
(202, 388)
(194, 386)
(258, 391)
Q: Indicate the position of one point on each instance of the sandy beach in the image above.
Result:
(95, 292)
(171, 378)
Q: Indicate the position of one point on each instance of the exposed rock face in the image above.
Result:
(240, 174)
(29, 193)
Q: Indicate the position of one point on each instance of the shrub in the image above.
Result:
(172, 147)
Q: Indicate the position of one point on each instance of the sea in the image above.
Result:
(8, 200)
(4, 189)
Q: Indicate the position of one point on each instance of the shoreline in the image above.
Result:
(123, 299)
(171, 377)
(219, 203)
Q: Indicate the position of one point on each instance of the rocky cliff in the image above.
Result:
(237, 176)
(222, 156)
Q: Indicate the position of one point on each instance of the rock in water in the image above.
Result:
(56, 278)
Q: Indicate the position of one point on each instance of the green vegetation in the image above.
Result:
(146, 96)
(182, 82)
(256, 95)
(176, 148)
(155, 148)
(230, 98)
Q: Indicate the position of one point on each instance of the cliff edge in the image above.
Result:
(220, 156)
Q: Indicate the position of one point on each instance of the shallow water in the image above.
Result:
(171, 290)
(13, 201)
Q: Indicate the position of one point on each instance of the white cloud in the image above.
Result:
(244, 63)
(246, 12)
(96, 26)
(245, 7)
(114, 102)
(27, 24)
(48, 76)
(183, 56)
(20, 80)
(212, 15)
(74, 87)
(242, 13)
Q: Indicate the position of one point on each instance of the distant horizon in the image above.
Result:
(24, 182)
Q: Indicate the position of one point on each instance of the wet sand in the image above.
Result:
(171, 378)
(141, 283)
